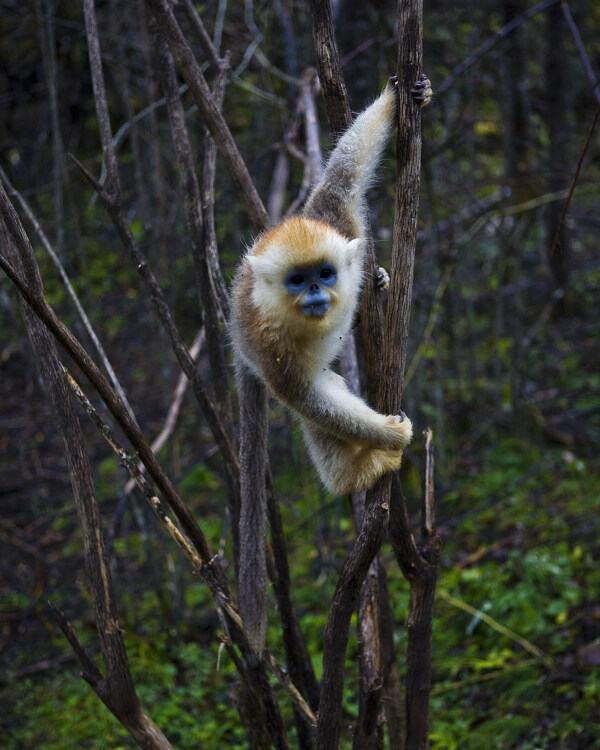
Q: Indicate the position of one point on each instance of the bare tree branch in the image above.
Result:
(213, 119)
(116, 690)
(69, 288)
(489, 43)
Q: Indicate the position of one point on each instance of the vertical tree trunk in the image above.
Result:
(557, 161)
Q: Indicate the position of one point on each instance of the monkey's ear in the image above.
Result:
(354, 249)
(265, 267)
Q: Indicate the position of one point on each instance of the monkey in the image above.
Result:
(294, 300)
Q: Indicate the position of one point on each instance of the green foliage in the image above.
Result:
(77, 720)
(488, 691)
(181, 688)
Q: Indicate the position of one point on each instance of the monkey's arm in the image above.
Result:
(329, 404)
(339, 198)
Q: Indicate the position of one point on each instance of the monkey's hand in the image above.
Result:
(382, 279)
(401, 427)
(422, 91)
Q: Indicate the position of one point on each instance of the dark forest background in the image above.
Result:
(503, 362)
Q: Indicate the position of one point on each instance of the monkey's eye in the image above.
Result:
(328, 275)
(296, 280)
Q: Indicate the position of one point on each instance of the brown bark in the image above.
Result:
(253, 517)
(329, 68)
(298, 660)
(343, 605)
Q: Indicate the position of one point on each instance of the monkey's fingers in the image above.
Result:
(422, 91)
(382, 278)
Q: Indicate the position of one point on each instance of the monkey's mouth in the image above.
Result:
(316, 309)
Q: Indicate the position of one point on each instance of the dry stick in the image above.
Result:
(111, 199)
(311, 160)
(498, 627)
(222, 65)
(556, 241)
(328, 65)
(95, 57)
(116, 690)
(40, 306)
(212, 117)
(173, 412)
(210, 164)
(209, 302)
(309, 175)
(209, 49)
(428, 494)
(69, 288)
(224, 604)
(308, 90)
(297, 657)
(343, 605)
(579, 42)
(186, 363)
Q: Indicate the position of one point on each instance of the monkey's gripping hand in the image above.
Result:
(422, 91)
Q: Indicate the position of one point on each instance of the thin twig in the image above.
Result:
(490, 42)
(428, 515)
(556, 241)
(212, 117)
(494, 624)
(174, 409)
(69, 288)
(580, 46)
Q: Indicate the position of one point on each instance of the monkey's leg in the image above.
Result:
(346, 467)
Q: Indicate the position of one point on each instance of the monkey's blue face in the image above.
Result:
(310, 284)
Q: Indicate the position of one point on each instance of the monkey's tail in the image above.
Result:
(253, 513)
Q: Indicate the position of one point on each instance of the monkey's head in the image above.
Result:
(306, 276)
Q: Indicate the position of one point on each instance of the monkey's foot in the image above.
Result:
(422, 91)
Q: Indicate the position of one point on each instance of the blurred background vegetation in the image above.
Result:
(503, 365)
